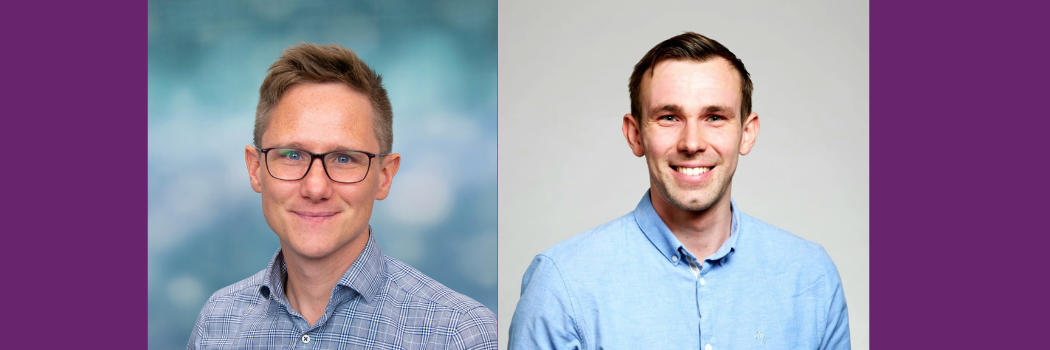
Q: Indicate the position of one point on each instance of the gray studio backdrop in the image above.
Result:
(206, 61)
(564, 166)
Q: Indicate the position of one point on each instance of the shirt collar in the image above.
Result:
(665, 241)
(729, 246)
(365, 276)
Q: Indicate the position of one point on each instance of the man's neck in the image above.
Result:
(310, 281)
(701, 232)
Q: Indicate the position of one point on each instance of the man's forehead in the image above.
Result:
(327, 95)
(711, 85)
(324, 116)
(319, 142)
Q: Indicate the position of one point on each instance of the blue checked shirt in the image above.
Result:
(379, 303)
(630, 284)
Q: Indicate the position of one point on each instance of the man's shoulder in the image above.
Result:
(597, 243)
(225, 311)
(242, 293)
(778, 248)
(412, 286)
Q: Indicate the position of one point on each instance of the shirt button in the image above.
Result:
(707, 347)
(702, 281)
(306, 339)
(674, 258)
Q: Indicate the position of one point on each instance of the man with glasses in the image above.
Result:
(687, 269)
(321, 157)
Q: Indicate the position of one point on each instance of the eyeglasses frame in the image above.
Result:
(313, 156)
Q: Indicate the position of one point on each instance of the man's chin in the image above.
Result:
(319, 244)
(692, 204)
(694, 200)
(312, 251)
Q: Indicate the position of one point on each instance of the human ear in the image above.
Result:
(390, 164)
(251, 159)
(632, 133)
(751, 126)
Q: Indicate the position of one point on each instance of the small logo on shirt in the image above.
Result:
(761, 338)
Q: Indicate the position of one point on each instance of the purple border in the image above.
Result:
(958, 175)
(74, 93)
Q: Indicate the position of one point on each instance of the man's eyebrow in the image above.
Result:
(676, 109)
(716, 109)
(293, 144)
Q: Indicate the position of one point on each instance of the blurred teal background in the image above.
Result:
(206, 62)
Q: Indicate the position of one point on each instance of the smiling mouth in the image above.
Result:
(314, 216)
(691, 171)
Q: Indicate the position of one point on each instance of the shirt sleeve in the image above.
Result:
(836, 329)
(477, 331)
(198, 327)
(546, 314)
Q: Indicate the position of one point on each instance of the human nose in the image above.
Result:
(316, 185)
(692, 138)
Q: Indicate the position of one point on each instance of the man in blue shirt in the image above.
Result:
(321, 157)
(686, 269)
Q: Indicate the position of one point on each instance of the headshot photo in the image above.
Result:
(322, 175)
(683, 175)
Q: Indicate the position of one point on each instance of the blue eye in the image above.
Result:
(342, 159)
(291, 155)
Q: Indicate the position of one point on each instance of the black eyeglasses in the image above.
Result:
(342, 166)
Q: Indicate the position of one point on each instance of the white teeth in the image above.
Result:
(692, 171)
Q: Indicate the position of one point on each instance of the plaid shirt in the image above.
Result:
(379, 303)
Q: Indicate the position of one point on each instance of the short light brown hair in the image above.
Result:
(312, 63)
(692, 47)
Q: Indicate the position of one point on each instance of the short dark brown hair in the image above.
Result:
(312, 63)
(692, 47)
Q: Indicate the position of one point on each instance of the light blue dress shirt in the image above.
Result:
(630, 284)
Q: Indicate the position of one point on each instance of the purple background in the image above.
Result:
(958, 174)
(73, 111)
(957, 185)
